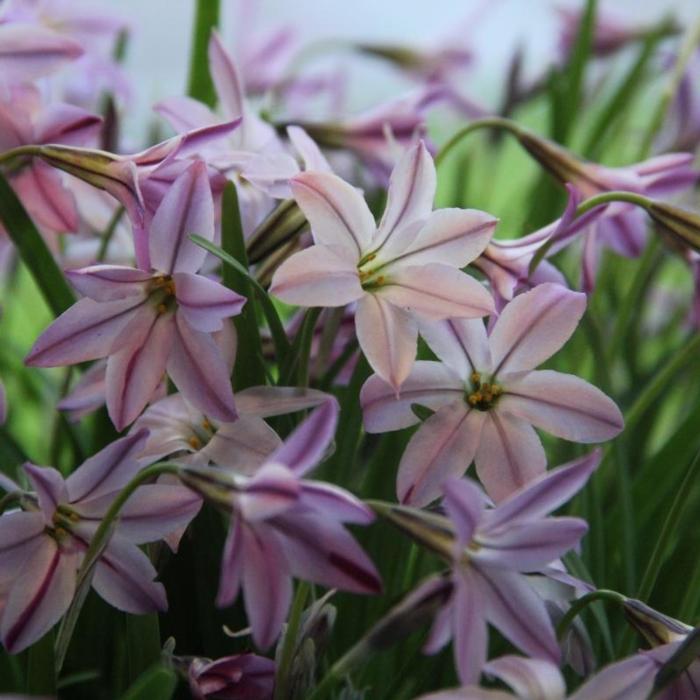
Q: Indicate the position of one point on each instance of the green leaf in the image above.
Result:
(41, 679)
(422, 412)
(279, 337)
(158, 683)
(33, 251)
(250, 365)
(142, 643)
(200, 85)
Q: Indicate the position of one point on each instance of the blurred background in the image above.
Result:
(158, 53)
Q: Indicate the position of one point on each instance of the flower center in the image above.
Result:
(370, 277)
(162, 293)
(62, 520)
(201, 434)
(482, 395)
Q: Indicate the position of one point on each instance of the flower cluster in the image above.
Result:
(275, 290)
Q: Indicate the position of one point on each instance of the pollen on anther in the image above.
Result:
(194, 442)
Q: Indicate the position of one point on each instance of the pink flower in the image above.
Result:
(41, 547)
(25, 121)
(487, 395)
(491, 550)
(148, 322)
(406, 267)
(178, 429)
(238, 677)
(283, 525)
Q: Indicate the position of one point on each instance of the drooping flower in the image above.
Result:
(25, 121)
(148, 321)
(238, 677)
(490, 550)
(283, 525)
(180, 430)
(404, 268)
(487, 395)
(42, 546)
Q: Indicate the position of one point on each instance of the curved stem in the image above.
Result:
(290, 638)
(19, 152)
(97, 545)
(583, 602)
(583, 208)
(486, 123)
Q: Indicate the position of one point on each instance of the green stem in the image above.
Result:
(583, 208)
(486, 123)
(583, 602)
(97, 545)
(200, 85)
(307, 336)
(630, 303)
(661, 381)
(109, 233)
(290, 640)
(668, 530)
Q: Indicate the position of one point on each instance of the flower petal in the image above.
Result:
(388, 337)
(185, 114)
(50, 203)
(534, 326)
(318, 276)
(310, 153)
(470, 635)
(29, 51)
(443, 446)
(107, 471)
(243, 445)
(266, 401)
(267, 587)
(135, 372)
(87, 331)
(324, 552)
(627, 679)
(50, 489)
(67, 124)
(460, 343)
(186, 208)
(528, 546)
(272, 490)
(545, 493)
(452, 237)
(509, 456)
(464, 502)
(563, 405)
(437, 291)
(337, 212)
(430, 384)
(204, 303)
(535, 679)
(41, 593)
(332, 502)
(109, 282)
(518, 612)
(231, 564)
(199, 371)
(124, 577)
(410, 197)
(305, 447)
(20, 532)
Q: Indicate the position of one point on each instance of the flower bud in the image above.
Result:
(680, 227)
(655, 627)
(283, 225)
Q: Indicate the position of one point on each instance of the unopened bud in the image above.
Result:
(655, 627)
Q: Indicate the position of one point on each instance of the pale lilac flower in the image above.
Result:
(621, 226)
(487, 396)
(24, 120)
(252, 138)
(41, 547)
(148, 322)
(490, 550)
(406, 267)
(28, 52)
(530, 679)
(238, 677)
(283, 525)
(179, 430)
